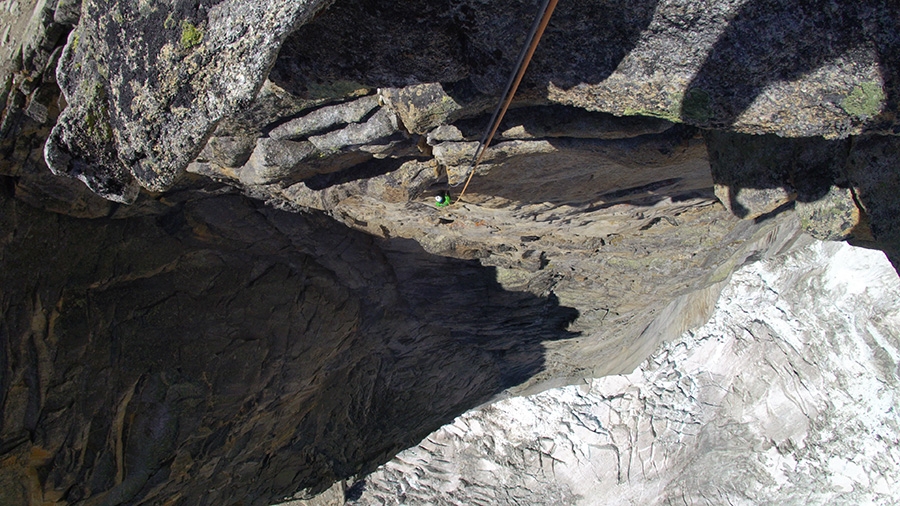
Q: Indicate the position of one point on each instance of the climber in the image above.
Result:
(442, 200)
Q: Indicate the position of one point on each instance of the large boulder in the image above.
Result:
(146, 84)
(198, 346)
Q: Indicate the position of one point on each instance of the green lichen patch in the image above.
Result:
(96, 116)
(668, 108)
(833, 217)
(864, 101)
(98, 126)
(190, 35)
(696, 106)
(652, 113)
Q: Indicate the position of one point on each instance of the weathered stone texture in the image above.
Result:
(143, 104)
(786, 396)
(147, 83)
(222, 350)
(201, 347)
(761, 66)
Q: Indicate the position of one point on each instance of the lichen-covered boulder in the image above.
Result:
(146, 83)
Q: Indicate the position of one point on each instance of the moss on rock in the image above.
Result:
(190, 35)
(864, 101)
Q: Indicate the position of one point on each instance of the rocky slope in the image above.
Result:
(230, 347)
(242, 290)
(786, 396)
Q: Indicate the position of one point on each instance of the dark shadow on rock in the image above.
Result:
(366, 170)
(586, 41)
(594, 174)
(783, 40)
(874, 175)
(559, 121)
(779, 169)
(841, 189)
(230, 353)
(360, 43)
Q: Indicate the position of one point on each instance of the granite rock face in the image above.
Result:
(281, 306)
(760, 66)
(147, 83)
(226, 350)
(786, 396)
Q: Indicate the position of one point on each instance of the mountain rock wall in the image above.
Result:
(228, 347)
(785, 396)
(243, 286)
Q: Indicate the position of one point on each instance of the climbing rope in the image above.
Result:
(534, 37)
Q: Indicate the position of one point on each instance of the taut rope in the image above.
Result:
(537, 30)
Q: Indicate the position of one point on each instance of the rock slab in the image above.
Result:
(146, 84)
(786, 396)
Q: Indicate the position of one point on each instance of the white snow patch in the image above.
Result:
(853, 271)
(788, 358)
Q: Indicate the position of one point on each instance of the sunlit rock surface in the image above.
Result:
(788, 395)
(281, 307)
